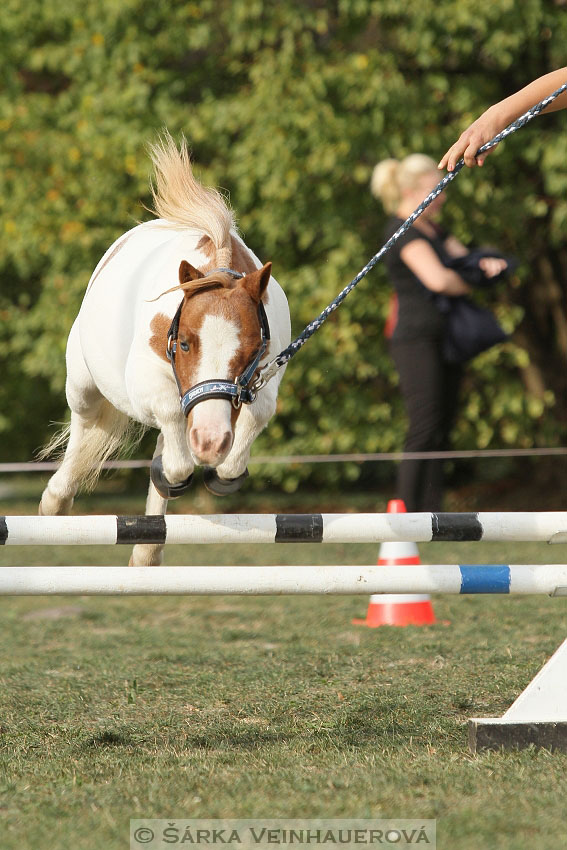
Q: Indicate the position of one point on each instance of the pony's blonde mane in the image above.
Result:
(184, 202)
(192, 287)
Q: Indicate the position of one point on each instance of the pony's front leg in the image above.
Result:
(172, 467)
(151, 554)
(171, 473)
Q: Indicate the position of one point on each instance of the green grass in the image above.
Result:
(114, 708)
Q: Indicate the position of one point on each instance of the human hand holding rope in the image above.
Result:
(500, 115)
(467, 146)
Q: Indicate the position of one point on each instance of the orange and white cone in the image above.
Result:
(398, 609)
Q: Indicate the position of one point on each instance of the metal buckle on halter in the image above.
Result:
(170, 348)
(244, 394)
(237, 399)
(265, 374)
(258, 384)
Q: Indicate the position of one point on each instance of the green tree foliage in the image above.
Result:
(287, 105)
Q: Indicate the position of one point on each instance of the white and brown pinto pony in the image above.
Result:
(135, 350)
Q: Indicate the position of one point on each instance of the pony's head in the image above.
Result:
(219, 334)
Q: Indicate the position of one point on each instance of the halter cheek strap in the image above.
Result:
(237, 392)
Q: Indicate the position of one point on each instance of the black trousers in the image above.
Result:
(430, 389)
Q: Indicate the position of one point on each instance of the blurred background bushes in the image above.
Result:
(287, 106)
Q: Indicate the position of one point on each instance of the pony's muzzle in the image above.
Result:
(209, 446)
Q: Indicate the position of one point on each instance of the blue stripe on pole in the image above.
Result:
(485, 578)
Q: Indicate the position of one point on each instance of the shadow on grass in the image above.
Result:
(361, 727)
(237, 739)
(371, 727)
(110, 738)
(361, 737)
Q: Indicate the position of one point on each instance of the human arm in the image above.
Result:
(498, 116)
(454, 247)
(489, 266)
(422, 260)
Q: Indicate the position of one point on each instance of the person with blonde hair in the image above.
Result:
(419, 267)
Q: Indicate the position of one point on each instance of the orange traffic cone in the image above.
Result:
(398, 609)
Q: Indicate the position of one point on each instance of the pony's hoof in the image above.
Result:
(51, 505)
(162, 485)
(222, 486)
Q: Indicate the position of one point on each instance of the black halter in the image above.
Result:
(237, 392)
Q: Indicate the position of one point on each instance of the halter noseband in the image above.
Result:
(237, 392)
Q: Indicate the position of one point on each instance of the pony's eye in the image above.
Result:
(184, 346)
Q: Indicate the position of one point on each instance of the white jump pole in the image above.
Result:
(550, 579)
(550, 527)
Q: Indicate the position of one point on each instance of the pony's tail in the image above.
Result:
(181, 200)
(105, 436)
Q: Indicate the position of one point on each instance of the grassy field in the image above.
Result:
(167, 707)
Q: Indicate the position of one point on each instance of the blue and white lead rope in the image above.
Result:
(270, 369)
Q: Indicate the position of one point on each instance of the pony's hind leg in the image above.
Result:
(151, 554)
(58, 496)
(93, 437)
(96, 430)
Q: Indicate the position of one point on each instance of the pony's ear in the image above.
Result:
(187, 272)
(256, 282)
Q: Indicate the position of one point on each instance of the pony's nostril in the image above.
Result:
(225, 442)
(196, 440)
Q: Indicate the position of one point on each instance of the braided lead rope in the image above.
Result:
(270, 369)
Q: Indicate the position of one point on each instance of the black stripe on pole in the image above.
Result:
(299, 528)
(454, 527)
(3, 530)
(145, 529)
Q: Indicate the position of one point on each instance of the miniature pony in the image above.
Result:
(176, 320)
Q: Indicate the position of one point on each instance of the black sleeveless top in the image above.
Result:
(417, 314)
